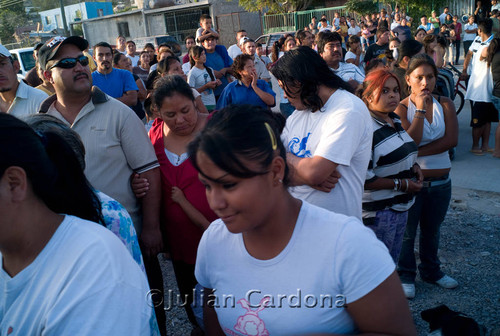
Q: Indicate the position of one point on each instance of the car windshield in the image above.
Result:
(27, 60)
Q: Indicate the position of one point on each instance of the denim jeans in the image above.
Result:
(429, 210)
(496, 101)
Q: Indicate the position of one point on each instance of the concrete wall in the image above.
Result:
(106, 30)
(229, 18)
(92, 7)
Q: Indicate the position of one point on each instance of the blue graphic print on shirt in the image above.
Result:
(298, 147)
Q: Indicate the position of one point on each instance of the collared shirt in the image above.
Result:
(116, 145)
(238, 93)
(27, 101)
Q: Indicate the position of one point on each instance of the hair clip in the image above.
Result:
(271, 134)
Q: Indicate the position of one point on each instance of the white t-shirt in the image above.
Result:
(83, 282)
(186, 67)
(480, 87)
(261, 69)
(330, 259)
(394, 25)
(354, 31)
(134, 59)
(234, 51)
(340, 132)
(196, 79)
(469, 37)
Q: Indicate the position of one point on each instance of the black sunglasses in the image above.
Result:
(68, 63)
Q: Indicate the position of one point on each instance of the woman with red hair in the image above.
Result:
(393, 177)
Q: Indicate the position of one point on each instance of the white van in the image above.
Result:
(26, 60)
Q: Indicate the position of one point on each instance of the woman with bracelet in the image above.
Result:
(432, 123)
(393, 177)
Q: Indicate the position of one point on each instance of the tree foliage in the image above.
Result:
(274, 6)
(12, 16)
(361, 7)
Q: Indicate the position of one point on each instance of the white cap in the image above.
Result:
(4, 52)
(243, 39)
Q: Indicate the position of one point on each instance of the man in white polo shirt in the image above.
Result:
(115, 141)
(16, 97)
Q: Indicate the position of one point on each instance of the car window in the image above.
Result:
(262, 40)
(27, 60)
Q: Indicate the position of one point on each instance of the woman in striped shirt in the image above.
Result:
(393, 177)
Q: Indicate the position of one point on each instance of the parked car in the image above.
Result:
(26, 60)
(140, 42)
(268, 40)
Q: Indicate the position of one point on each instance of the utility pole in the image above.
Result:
(63, 15)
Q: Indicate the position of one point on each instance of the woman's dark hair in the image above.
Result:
(442, 41)
(303, 69)
(419, 60)
(116, 59)
(148, 45)
(163, 66)
(51, 166)
(408, 48)
(353, 39)
(428, 40)
(493, 48)
(239, 64)
(418, 31)
(194, 52)
(167, 86)
(239, 134)
(375, 63)
(276, 48)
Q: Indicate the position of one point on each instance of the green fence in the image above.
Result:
(297, 20)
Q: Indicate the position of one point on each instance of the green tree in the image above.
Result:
(274, 6)
(361, 7)
(12, 16)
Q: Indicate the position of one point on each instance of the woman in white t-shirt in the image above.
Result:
(279, 265)
(355, 54)
(432, 123)
(202, 78)
(60, 274)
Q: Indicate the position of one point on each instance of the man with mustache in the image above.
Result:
(16, 97)
(330, 49)
(117, 83)
(115, 141)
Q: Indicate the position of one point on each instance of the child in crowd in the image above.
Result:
(202, 78)
(189, 41)
(205, 24)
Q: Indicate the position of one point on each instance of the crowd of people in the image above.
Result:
(185, 157)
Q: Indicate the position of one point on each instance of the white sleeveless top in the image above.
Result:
(431, 133)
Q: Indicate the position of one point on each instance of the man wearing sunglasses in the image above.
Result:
(115, 140)
(16, 97)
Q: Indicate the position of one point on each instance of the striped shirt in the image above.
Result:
(393, 155)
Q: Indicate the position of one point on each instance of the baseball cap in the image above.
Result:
(50, 48)
(4, 52)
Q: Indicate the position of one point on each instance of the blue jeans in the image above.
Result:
(429, 210)
(496, 101)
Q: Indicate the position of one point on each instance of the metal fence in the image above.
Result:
(182, 23)
(297, 20)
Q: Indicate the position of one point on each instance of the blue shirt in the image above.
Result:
(217, 60)
(427, 27)
(237, 93)
(116, 83)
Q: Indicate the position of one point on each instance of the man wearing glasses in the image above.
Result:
(16, 97)
(115, 140)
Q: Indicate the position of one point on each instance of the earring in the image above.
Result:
(280, 181)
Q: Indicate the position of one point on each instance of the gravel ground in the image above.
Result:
(470, 253)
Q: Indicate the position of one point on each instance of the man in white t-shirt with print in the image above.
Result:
(329, 138)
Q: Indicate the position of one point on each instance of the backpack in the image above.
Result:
(445, 84)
